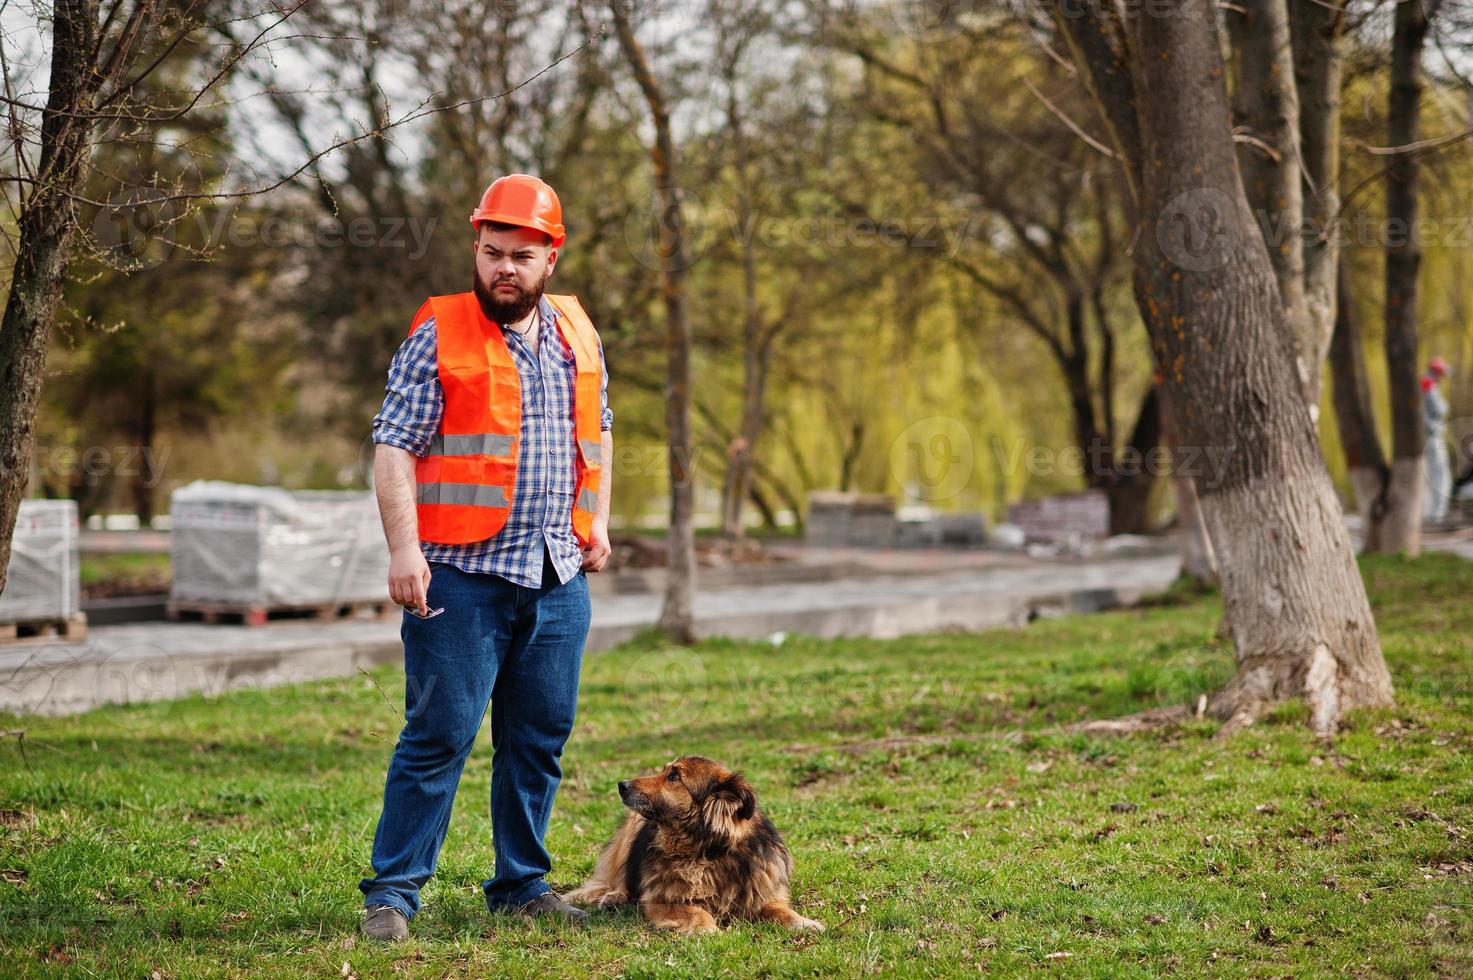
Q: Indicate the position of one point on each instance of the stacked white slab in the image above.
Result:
(845, 519)
(42, 582)
(249, 545)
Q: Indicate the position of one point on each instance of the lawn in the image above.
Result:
(126, 573)
(943, 820)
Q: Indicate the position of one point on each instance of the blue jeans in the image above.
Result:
(521, 649)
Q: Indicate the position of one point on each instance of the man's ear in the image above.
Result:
(736, 789)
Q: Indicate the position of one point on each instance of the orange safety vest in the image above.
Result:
(467, 480)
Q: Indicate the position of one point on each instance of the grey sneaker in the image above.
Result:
(549, 904)
(387, 923)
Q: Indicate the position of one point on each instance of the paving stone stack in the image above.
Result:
(251, 546)
(844, 519)
(964, 529)
(43, 583)
(1063, 518)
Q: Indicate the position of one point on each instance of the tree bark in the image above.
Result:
(1266, 103)
(677, 613)
(1370, 477)
(1401, 531)
(47, 223)
(1198, 559)
(1317, 29)
(1130, 485)
(1296, 607)
(145, 490)
(755, 349)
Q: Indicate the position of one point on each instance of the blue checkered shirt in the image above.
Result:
(542, 501)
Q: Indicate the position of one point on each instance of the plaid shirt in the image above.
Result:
(546, 455)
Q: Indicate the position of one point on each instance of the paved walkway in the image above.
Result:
(879, 594)
(1458, 542)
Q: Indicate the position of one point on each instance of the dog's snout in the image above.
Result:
(624, 787)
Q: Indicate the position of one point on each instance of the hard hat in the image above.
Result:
(523, 200)
(1438, 366)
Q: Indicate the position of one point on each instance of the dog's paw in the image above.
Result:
(611, 899)
(699, 929)
(584, 896)
(807, 925)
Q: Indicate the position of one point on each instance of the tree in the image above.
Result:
(1365, 461)
(1048, 236)
(1296, 607)
(84, 59)
(676, 613)
(95, 85)
(1266, 105)
(1401, 526)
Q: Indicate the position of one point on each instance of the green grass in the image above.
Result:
(128, 572)
(941, 822)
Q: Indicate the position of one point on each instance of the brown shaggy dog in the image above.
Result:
(694, 850)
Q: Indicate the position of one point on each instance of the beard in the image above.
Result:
(501, 308)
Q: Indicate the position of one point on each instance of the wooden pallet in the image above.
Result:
(72, 629)
(259, 614)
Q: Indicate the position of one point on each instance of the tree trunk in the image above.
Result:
(769, 519)
(47, 221)
(754, 386)
(676, 614)
(1317, 29)
(1296, 607)
(1198, 559)
(1267, 104)
(1370, 477)
(1401, 531)
(1130, 492)
(144, 487)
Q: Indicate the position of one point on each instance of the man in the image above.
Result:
(489, 467)
(1435, 463)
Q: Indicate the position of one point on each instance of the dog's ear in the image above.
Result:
(736, 789)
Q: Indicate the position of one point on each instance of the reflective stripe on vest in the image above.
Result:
(587, 500)
(592, 450)
(464, 494)
(483, 444)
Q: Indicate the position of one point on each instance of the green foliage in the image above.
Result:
(942, 818)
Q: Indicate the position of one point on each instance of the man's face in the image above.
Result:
(512, 267)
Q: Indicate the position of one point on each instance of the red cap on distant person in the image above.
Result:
(1438, 367)
(523, 200)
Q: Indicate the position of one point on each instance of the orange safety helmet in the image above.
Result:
(524, 200)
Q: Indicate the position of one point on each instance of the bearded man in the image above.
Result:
(490, 469)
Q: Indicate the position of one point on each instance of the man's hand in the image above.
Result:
(409, 578)
(596, 555)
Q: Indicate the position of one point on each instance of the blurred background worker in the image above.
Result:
(1437, 466)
